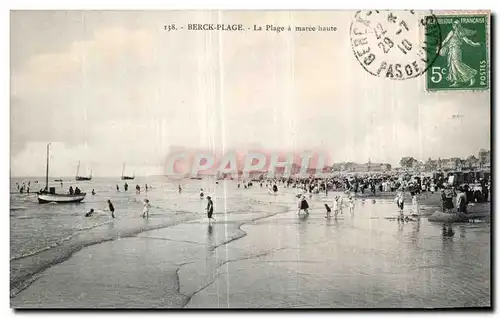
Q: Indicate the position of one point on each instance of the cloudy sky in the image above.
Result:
(110, 87)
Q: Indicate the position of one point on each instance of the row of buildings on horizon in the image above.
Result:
(481, 162)
(472, 163)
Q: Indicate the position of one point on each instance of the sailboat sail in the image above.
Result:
(79, 178)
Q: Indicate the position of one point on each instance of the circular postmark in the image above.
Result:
(395, 45)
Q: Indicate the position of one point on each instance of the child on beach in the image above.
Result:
(303, 205)
(201, 194)
(400, 201)
(89, 213)
(145, 210)
(351, 204)
(328, 211)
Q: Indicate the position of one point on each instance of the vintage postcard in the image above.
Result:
(250, 159)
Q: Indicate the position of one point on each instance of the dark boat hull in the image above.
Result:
(83, 179)
(127, 178)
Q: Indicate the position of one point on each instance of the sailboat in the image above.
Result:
(124, 177)
(78, 178)
(49, 194)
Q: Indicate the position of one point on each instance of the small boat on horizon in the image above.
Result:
(124, 177)
(79, 178)
(58, 180)
(49, 194)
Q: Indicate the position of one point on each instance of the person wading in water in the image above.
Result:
(303, 205)
(111, 208)
(400, 201)
(210, 208)
(328, 211)
(447, 197)
(461, 201)
(145, 210)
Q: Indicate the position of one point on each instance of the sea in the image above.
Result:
(43, 236)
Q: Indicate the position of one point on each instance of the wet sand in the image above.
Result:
(264, 255)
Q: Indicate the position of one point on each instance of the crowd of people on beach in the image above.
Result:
(350, 188)
(455, 198)
(365, 186)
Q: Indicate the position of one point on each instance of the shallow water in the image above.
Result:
(259, 253)
(44, 234)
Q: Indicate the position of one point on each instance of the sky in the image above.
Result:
(108, 87)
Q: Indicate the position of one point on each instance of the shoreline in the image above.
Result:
(25, 270)
(23, 275)
(235, 234)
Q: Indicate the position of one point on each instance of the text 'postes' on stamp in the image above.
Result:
(462, 62)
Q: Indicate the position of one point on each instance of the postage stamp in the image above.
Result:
(462, 62)
(388, 44)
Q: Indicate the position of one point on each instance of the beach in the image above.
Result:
(259, 253)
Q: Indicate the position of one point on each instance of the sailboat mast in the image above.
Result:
(78, 168)
(47, 170)
(123, 169)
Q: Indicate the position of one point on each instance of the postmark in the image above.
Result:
(389, 44)
(463, 60)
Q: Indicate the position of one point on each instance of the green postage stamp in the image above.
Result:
(462, 62)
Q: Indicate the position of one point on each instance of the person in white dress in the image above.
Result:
(415, 205)
(343, 200)
(335, 205)
(351, 204)
(400, 201)
(145, 210)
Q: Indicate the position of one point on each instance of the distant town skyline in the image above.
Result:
(107, 87)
